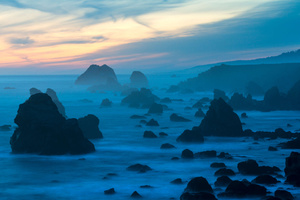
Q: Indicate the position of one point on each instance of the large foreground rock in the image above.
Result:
(43, 130)
(90, 126)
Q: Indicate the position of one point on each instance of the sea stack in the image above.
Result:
(138, 80)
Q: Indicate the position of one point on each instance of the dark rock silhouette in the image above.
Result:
(96, 75)
(191, 136)
(284, 195)
(224, 172)
(33, 91)
(197, 196)
(217, 165)
(188, 154)
(43, 130)
(198, 188)
(152, 122)
(199, 113)
(163, 134)
(175, 118)
(244, 115)
(272, 148)
(292, 144)
(167, 146)
(140, 99)
(250, 167)
(5, 128)
(55, 99)
(138, 80)
(106, 103)
(265, 179)
(166, 100)
(292, 169)
(293, 96)
(220, 94)
(139, 168)
(225, 155)
(136, 195)
(220, 120)
(109, 191)
(198, 104)
(156, 108)
(149, 134)
(90, 126)
(206, 154)
(254, 89)
(177, 181)
(222, 181)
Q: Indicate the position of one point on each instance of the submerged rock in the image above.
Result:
(224, 172)
(284, 195)
(175, 118)
(206, 154)
(265, 179)
(90, 126)
(109, 191)
(217, 165)
(138, 80)
(139, 168)
(106, 103)
(177, 181)
(135, 194)
(167, 146)
(43, 130)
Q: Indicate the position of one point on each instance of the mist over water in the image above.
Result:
(72, 177)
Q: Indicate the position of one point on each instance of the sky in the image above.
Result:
(66, 36)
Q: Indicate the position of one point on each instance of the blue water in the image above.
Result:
(69, 177)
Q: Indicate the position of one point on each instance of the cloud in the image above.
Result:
(12, 3)
(21, 41)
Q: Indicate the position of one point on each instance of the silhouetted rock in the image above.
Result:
(199, 113)
(146, 186)
(284, 195)
(5, 128)
(177, 181)
(175, 118)
(96, 75)
(293, 96)
(197, 196)
(250, 167)
(138, 80)
(33, 91)
(239, 102)
(156, 109)
(225, 155)
(217, 165)
(167, 146)
(254, 89)
(272, 148)
(220, 94)
(265, 179)
(152, 122)
(163, 134)
(90, 126)
(292, 164)
(149, 134)
(190, 136)
(166, 100)
(55, 99)
(293, 179)
(293, 144)
(223, 181)
(244, 115)
(198, 104)
(137, 117)
(206, 154)
(43, 130)
(109, 191)
(198, 188)
(135, 194)
(224, 172)
(187, 154)
(106, 103)
(220, 120)
(140, 99)
(139, 168)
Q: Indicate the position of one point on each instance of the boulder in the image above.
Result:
(163, 134)
(140, 99)
(199, 113)
(177, 181)
(265, 179)
(284, 195)
(292, 164)
(223, 181)
(152, 122)
(109, 191)
(106, 103)
(149, 134)
(156, 109)
(90, 127)
(43, 130)
(198, 184)
(218, 165)
(224, 172)
(292, 144)
(272, 148)
(250, 167)
(167, 146)
(188, 154)
(244, 115)
(191, 136)
(220, 120)
(175, 118)
(138, 80)
(206, 154)
(139, 168)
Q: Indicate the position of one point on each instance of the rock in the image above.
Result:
(143, 121)
(175, 118)
(140, 99)
(220, 120)
(274, 100)
(60, 107)
(109, 191)
(167, 146)
(225, 156)
(33, 91)
(244, 115)
(223, 181)
(156, 109)
(265, 179)
(163, 134)
(198, 104)
(173, 88)
(206, 154)
(250, 167)
(90, 126)
(166, 100)
(293, 96)
(217, 165)
(239, 102)
(5, 128)
(199, 113)
(292, 144)
(256, 191)
(96, 75)
(138, 80)
(139, 168)
(177, 181)
(85, 101)
(254, 89)
(292, 164)
(198, 184)
(149, 134)
(191, 136)
(197, 196)
(175, 158)
(283, 194)
(152, 122)
(272, 148)
(9, 88)
(137, 117)
(105, 103)
(224, 172)
(220, 94)
(146, 186)
(135, 194)
(187, 154)
(293, 179)
(43, 130)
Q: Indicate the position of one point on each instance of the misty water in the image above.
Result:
(85, 176)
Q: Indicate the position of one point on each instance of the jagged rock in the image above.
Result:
(109, 191)
(224, 172)
(43, 130)
(187, 154)
(90, 126)
(218, 165)
(199, 113)
(191, 136)
(55, 99)
(198, 104)
(156, 109)
(292, 164)
(135, 194)
(138, 80)
(5, 128)
(223, 181)
(292, 144)
(274, 100)
(149, 134)
(220, 120)
(140, 99)
(167, 146)
(175, 118)
(106, 103)
(284, 195)
(152, 122)
(139, 168)
(250, 167)
(265, 179)
(239, 102)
